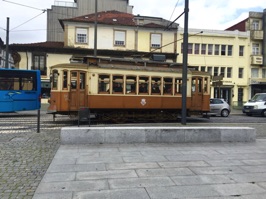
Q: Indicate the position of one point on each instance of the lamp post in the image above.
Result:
(7, 43)
(184, 69)
(95, 28)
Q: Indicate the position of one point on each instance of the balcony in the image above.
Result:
(256, 34)
(256, 60)
(66, 4)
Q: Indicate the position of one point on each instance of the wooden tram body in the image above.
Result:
(119, 90)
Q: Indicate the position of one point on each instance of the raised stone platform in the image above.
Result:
(131, 135)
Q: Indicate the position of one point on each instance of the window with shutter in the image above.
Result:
(81, 35)
(120, 38)
(156, 40)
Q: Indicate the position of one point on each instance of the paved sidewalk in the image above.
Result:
(151, 171)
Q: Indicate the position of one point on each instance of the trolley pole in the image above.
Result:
(95, 28)
(7, 43)
(184, 69)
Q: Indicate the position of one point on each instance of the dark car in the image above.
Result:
(219, 107)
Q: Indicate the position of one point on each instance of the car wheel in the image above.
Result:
(263, 113)
(248, 114)
(224, 113)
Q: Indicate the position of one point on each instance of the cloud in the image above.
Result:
(203, 14)
(25, 23)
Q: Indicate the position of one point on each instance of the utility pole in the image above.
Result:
(7, 43)
(184, 69)
(95, 28)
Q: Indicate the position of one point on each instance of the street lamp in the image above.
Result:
(184, 69)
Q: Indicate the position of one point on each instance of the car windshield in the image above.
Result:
(258, 97)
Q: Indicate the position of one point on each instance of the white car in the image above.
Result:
(256, 105)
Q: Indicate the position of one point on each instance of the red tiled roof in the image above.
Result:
(107, 17)
(241, 26)
(47, 44)
(112, 18)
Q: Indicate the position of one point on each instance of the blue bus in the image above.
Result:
(20, 90)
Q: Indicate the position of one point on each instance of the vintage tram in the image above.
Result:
(126, 89)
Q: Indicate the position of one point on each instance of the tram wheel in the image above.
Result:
(119, 117)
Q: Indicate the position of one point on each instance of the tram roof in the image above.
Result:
(124, 64)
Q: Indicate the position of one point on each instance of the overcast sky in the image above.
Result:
(28, 25)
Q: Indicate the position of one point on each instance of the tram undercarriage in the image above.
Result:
(123, 116)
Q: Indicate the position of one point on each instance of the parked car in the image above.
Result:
(256, 105)
(219, 107)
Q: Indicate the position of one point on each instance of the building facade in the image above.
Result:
(224, 55)
(66, 9)
(256, 25)
(120, 31)
(3, 57)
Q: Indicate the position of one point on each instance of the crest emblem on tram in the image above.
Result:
(143, 102)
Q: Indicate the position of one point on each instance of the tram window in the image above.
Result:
(118, 84)
(168, 86)
(73, 80)
(200, 85)
(65, 80)
(206, 85)
(196, 85)
(143, 85)
(104, 84)
(178, 85)
(156, 85)
(130, 85)
(82, 81)
(55, 80)
(193, 86)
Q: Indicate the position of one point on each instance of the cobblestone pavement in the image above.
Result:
(25, 155)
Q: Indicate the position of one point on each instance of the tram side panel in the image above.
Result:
(135, 102)
(89, 97)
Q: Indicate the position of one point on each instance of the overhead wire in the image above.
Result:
(168, 25)
(24, 5)
(174, 10)
(27, 21)
(29, 30)
(43, 11)
(170, 43)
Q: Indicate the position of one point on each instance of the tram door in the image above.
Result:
(197, 93)
(77, 90)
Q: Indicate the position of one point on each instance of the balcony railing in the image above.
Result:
(256, 34)
(65, 4)
(256, 59)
